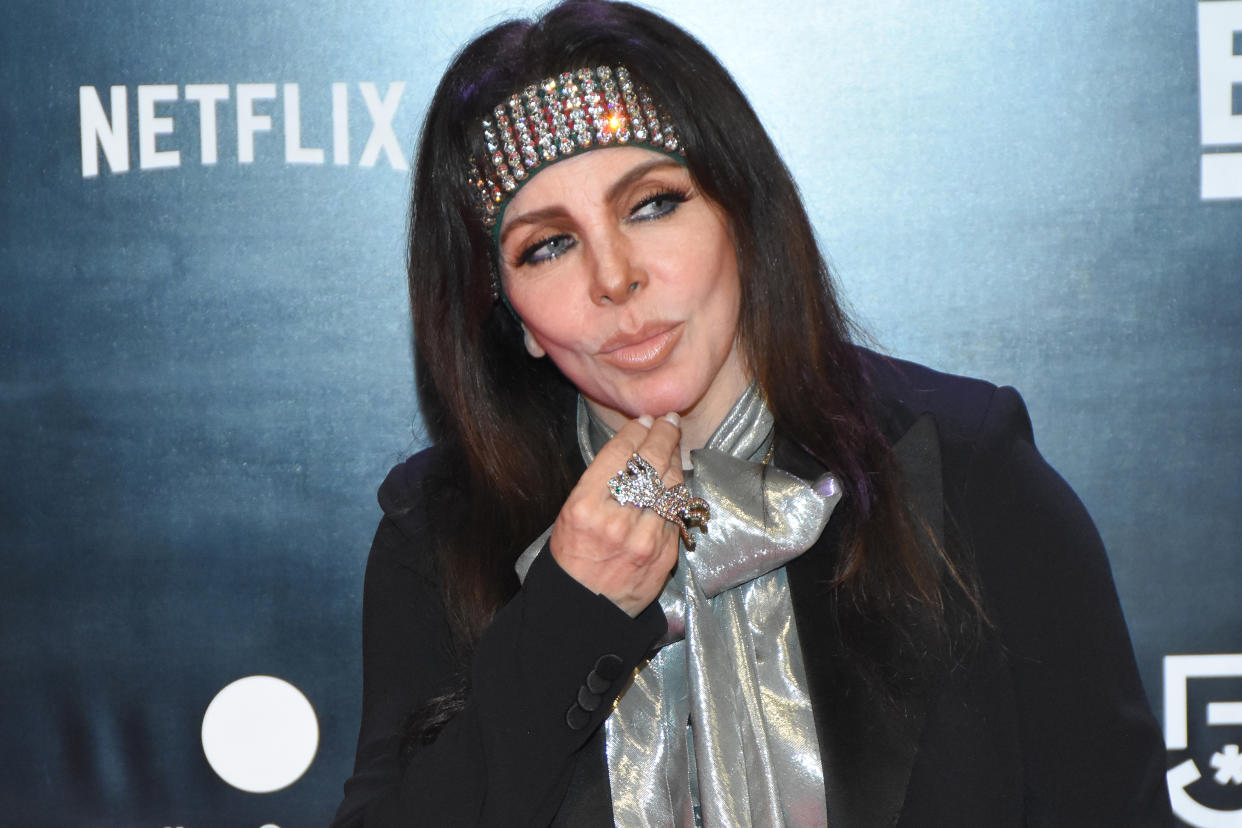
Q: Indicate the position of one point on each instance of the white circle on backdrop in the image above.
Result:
(260, 734)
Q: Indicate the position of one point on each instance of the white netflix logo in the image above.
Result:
(1220, 98)
(257, 111)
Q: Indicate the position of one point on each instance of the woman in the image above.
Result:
(682, 554)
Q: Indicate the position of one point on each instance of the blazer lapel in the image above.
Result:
(868, 737)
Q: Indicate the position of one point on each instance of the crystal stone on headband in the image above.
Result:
(573, 112)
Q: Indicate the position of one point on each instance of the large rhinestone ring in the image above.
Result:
(638, 484)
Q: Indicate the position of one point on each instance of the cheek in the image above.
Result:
(707, 257)
(717, 291)
(549, 325)
(528, 301)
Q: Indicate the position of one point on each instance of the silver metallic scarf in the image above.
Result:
(717, 728)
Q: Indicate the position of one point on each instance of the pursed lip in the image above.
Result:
(644, 348)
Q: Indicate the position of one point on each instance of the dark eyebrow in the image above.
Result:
(637, 173)
(556, 211)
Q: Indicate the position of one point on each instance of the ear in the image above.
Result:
(532, 347)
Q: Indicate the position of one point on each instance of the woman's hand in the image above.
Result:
(621, 552)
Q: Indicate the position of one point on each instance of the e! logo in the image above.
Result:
(1220, 98)
(1220, 727)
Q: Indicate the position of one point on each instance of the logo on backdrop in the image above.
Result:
(1203, 722)
(162, 112)
(260, 734)
(1220, 98)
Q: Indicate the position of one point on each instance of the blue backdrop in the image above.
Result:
(205, 369)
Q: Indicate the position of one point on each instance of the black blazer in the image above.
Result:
(1042, 721)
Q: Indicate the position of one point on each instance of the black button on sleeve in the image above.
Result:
(587, 700)
(597, 683)
(576, 717)
(609, 666)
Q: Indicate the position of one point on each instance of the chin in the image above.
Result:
(660, 401)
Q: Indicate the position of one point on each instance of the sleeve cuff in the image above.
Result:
(563, 652)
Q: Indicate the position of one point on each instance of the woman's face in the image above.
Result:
(625, 275)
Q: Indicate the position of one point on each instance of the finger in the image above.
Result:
(662, 448)
(613, 454)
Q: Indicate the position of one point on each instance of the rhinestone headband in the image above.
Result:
(574, 112)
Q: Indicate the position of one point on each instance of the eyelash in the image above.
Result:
(677, 197)
(530, 255)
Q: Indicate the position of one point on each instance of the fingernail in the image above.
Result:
(646, 420)
(674, 418)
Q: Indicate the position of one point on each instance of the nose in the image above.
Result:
(617, 276)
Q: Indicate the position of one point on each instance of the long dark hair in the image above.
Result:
(503, 415)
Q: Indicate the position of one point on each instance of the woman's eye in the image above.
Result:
(546, 249)
(657, 206)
